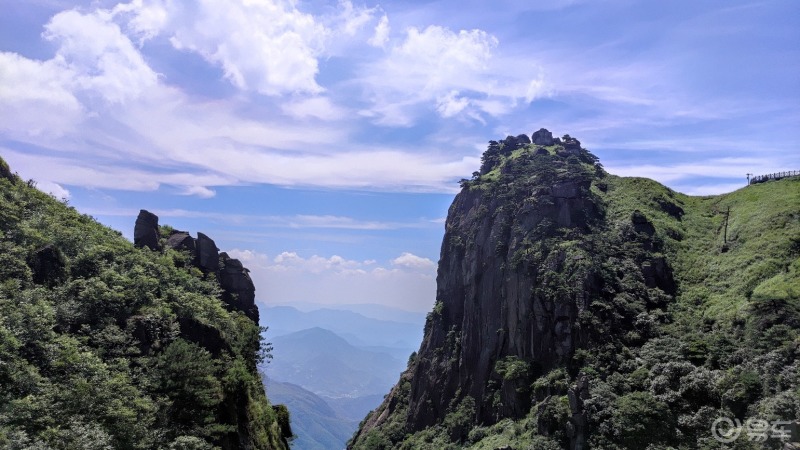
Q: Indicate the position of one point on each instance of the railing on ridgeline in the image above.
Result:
(774, 176)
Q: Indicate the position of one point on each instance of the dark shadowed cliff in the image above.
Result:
(107, 344)
(576, 309)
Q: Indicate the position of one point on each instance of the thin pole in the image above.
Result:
(725, 236)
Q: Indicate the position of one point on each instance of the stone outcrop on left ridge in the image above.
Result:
(238, 290)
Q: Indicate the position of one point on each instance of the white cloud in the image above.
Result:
(290, 277)
(413, 261)
(248, 257)
(200, 191)
(354, 19)
(456, 73)
(381, 35)
(35, 98)
(53, 189)
(291, 261)
(318, 107)
(95, 64)
(100, 57)
(451, 104)
(262, 45)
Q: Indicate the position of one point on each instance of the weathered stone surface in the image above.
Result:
(145, 233)
(5, 171)
(48, 265)
(203, 335)
(541, 151)
(570, 189)
(511, 143)
(181, 240)
(490, 305)
(542, 137)
(571, 145)
(658, 274)
(502, 295)
(238, 290)
(206, 254)
(579, 422)
(642, 224)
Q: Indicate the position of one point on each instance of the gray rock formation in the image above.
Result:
(5, 171)
(203, 335)
(542, 137)
(238, 289)
(521, 266)
(579, 422)
(145, 233)
(571, 145)
(206, 254)
(48, 265)
(181, 240)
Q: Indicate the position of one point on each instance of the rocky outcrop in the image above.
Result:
(5, 171)
(181, 240)
(203, 335)
(48, 265)
(238, 289)
(578, 429)
(512, 143)
(145, 233)
(206, 254)
(542, 137)
(524, 282)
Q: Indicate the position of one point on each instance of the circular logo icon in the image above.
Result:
(725, 430)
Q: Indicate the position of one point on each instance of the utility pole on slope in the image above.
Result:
(725, 235)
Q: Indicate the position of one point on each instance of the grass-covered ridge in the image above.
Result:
(92, 350)
(693, 312)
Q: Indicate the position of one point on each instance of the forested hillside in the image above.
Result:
(577, 309)
(107, 346)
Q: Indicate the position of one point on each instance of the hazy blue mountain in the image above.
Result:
(315, 424)
(354, 408)
(370, 310)
(356, 328)
(326, 364)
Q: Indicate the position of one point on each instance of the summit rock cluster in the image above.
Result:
(238, 290)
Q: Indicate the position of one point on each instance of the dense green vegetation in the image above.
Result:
(94, 352)
(693, 314)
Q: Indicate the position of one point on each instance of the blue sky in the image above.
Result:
(322, 141)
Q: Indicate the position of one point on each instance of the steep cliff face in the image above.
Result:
(553, 274)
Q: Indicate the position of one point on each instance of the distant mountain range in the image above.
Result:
(323, 362)
(315, 424)
(370, 310)
(358, 329)
(331, 367)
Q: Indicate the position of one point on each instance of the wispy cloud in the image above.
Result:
(298, 221)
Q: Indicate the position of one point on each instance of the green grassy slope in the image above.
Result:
(92, 355)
